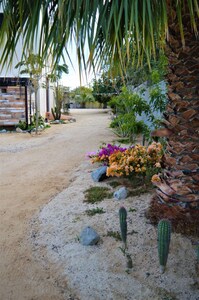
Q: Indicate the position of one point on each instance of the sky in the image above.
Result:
(72, 79)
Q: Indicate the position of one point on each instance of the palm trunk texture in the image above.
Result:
(177, 194)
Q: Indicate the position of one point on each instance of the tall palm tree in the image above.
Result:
(177, 194)
(112, 27)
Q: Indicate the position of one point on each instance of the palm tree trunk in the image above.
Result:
(177, 195)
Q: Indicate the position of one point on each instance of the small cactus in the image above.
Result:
(129, 263)
(164, 236)
(123, 224)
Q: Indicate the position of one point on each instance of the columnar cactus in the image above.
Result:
(164, 236)
(123, 225)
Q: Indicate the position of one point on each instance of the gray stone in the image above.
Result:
(121, 193)
(19, 130)
(40, 128)
(99, 174)
(3, 131)
(89, 236)
(72, 120)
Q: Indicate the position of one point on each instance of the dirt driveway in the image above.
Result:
(33, 169)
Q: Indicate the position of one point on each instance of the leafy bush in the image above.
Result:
(135, 160)
(24, 126)
(132, 161)
(158, 99)
(129, 106)
(104, 152)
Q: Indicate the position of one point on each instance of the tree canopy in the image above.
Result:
(122, 26)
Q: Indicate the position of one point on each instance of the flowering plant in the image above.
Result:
(136, 160)
(104, 153)
(129, 161)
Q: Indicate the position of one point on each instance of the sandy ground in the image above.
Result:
(43, 179)
(33, 169)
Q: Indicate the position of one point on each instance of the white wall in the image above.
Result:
(146, 96)
(11, 71)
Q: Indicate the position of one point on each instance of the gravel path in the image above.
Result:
(43, 179)
(33, 169)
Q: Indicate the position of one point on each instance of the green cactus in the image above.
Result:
(164, 236)
(123, 225)
(56, 112)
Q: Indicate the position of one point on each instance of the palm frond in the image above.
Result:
(112, 30)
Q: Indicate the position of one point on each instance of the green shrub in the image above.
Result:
(96, 194)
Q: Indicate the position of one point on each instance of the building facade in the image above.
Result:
(17, 97)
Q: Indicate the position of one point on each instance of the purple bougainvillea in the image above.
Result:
(110, 149)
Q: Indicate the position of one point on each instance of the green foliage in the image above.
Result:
(123, 224)
(106, 87)
(129, 263)
(57, 72)
(137, 27)
(132, 209)
(41, 121)
(82, 95)
(128, 126)
(127, 106)
(159, 69)
(158, 99)
(115, 234)
(164, 236)
(128, 101)
(59, 98)
(24, 126)
(94, 211)
(96, 194)
(114, 184)
(141, 184)
(155, 76)
(59, 90)
(33, 65)
(56, 113)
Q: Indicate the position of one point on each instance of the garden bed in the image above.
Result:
(100, 271)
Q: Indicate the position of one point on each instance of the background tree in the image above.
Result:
(106, 87)
(33, 65)
(59, 90)
(139, 27)
(82, 95)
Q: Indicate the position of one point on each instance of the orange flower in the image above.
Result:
(155, 178)
(158, 165)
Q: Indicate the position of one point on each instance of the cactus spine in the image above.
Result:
(164, 236)
(123, 225)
